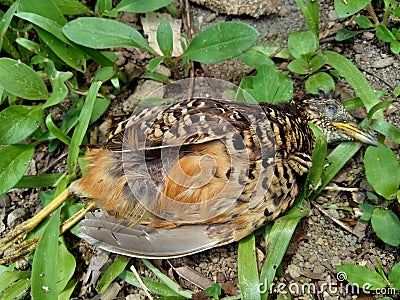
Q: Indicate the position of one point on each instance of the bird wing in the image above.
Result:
(114, 235)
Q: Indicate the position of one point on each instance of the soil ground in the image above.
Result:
(319, 244)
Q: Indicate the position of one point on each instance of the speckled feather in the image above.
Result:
(214, 169)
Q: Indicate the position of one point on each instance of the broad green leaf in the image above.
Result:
(365, 278)
(363, 22)
(347, 8)
(65, 266)
(317, 62)
(395, 47)
(43, 8)
(69, 54)
(15, 160)
(386, 226)
(71, 7)
(165, 37)
(101, 33)
(384, 34)
(104, 74)
(69, 289)
(17, 122)
(141, 6)
(320, 81)
(221, 42)
(269, 86)
(20, 80)
(5, 22)
(302, 42)
(112, 273)
(249, 282)
(353, 76)
(394, 276)
(382, 170)
(256, 56)
(44, 266)
(299, 66)
(345, 34)
(99, 108)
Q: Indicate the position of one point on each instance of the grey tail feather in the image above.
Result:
(113, 235)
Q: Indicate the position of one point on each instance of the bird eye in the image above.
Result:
(331, 110)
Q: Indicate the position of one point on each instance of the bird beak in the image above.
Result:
(358, 134)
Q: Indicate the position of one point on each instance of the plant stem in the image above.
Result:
(372, 13)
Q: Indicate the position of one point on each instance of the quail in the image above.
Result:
(199, 173)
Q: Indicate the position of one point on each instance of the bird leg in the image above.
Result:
(22, 229)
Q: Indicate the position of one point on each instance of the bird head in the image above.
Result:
(335, 122)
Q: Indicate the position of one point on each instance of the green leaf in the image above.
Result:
(221, 42)
(249, 282)
(15, 160)
(317, 62)
(100, 33)
(345, 34)
(320, 81)
(44, 8)
(99, 108)
(256, 56)
(299, 66)
(65, 266)
(155, 62)
(384, 34)
(276, 242)
(302, 42)
(269, 86)
(22, 81)
(56, 131)
(347, 8)
(104, 74)
(318, 157)
(387, 129)
(311, 14)
(365, 278)
(42, 180)
(395, 47)
(18, 290)
(5, 22)
(68, 7)
(394, 276)
(386, 226)
(382, 170)
(363, 22)
(168, 281)
(8, 277)
(112, 273)
(44, 267)
(141, 6)
(353, 76)
(214, 291)
(367, 210)
(18, 122)
(165, 37)
(81, 127)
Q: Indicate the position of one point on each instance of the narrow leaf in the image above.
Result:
(112, 273)
(141, 6)
(44, 267)
(347, 8)
(247, 269)
(165, 37)
(6, 20)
